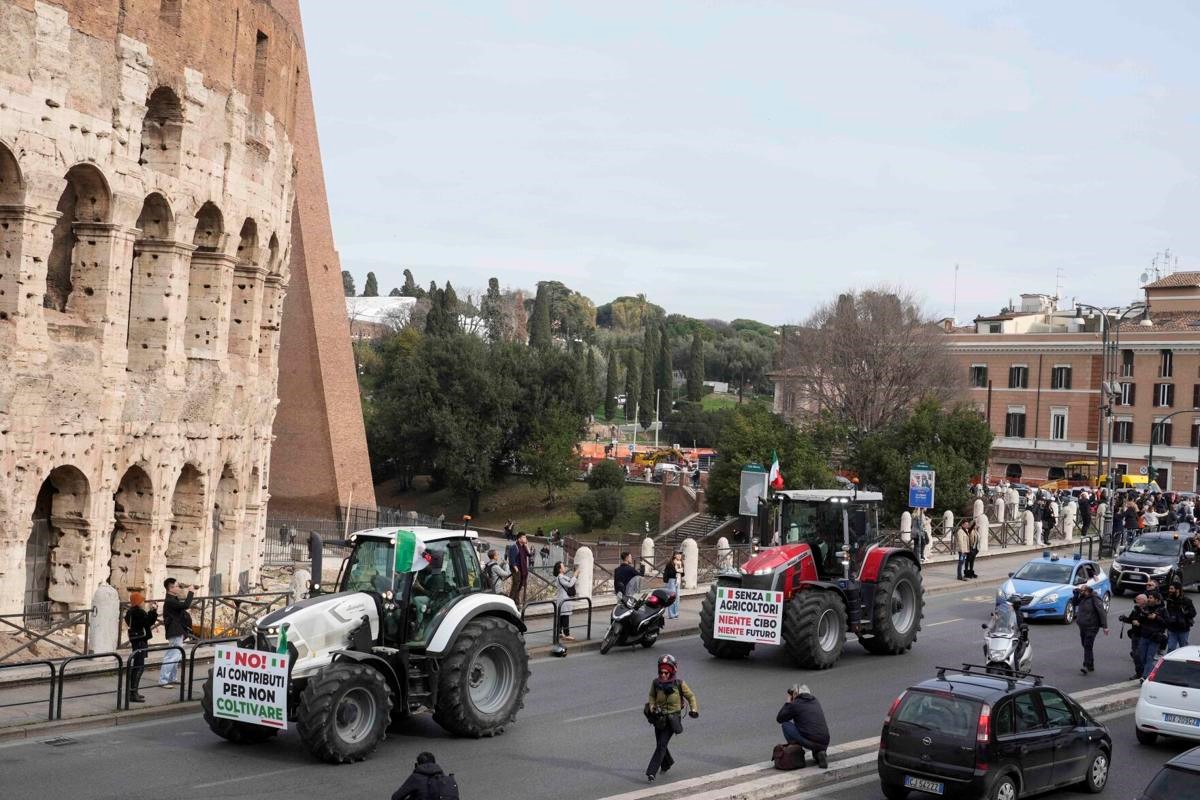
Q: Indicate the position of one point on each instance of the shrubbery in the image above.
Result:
(598, 508)
(606, 475)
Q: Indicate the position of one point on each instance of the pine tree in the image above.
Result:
(611, 386)
(695, 373)
(371, 287)
(492, 310)
(347, 283)
(539, 320)
(649, 360)
(633, 383)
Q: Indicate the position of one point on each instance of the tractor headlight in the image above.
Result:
(763, 571)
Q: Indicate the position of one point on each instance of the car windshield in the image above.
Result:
(1004, 620)
(955, 716)
(1154, 546)
(1045, 572)
(1172, 783)
(370, 567)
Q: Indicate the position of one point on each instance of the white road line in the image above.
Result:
(243, 778)
(834, 788)
(605, 714)
(944, 622)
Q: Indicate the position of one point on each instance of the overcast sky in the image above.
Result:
(752, 159)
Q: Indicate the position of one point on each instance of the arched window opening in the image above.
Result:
(150, 286)
(133, 532)
(56, 559)
(12, 198)
(246, 298)
(268, 335)
(223, 554)
(162, 131)
(84, 200)
(185, 546)
(205, 280)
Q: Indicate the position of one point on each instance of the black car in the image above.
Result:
(1161, 556)
(970, 734)
(1179, 777)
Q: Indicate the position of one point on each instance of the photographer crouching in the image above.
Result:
(803, 724)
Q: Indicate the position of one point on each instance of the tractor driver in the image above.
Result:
(431, 590)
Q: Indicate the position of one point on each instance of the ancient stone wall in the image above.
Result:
(146, 196)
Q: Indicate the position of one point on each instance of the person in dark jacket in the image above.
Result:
(178, 625)
(1152, 627)
(518, 556)
(1133, 620)
(803, 723)
(624, 572)
(427, 782)
(1091, 617)
(1181, 614)
(139, 619)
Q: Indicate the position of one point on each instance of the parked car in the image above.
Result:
(1153, 555)
(1179, 777)
(1045, 585)
(1169, 704)
(969, 734)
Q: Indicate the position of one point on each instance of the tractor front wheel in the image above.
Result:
(484, 678)
(229, 729)
(721, 648)
(344, 712)
(814, 628)
(897, 609)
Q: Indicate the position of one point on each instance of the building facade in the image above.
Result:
(146, 210)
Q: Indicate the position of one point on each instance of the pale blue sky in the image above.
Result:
(751, 159)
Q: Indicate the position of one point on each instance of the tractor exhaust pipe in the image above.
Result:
(315, 553)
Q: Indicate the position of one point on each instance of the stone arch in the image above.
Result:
(162, 131)
(12, 185)
(156, 221)
(253, 533)
(185, 544)
(245, 301)
(59, 549)
(151, 286)
(85, 200)
(133, 532)
(12, 200)
(223, 553)
(206, 279)
(272, 307)
(248, 242)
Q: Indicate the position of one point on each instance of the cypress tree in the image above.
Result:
(649, 360)
(347, 283)
(371, 287)
(662, 370)
(492, 310)
(610, 386)
(633, 383)
(539, 320)
(695, 373)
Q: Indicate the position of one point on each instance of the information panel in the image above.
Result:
(921, 481)
(250, 686)
(749, 615)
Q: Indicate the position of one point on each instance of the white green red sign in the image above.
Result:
(250, 686)
(748, 615)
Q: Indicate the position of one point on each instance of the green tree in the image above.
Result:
(550, 454)
(649, 359)
(540, 335)
(633, 381)
(954, 441)
(492, 309)
(598, 509)
(611, 386)
(695, 372)
(371, 287)
(607, 474)
(347, 283)
(590, 386)
(691, 424)
(750, 435)
(395, 292)
(441, 321)
(410, 288)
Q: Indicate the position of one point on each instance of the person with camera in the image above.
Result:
(1152, 627)
(803, 724)
(427, 782)
(1091, 617)
(178, 624)
(564, 590)
(495, 572)
(1134, 620)
(1181, 615)
(140, 618)
(665, 710)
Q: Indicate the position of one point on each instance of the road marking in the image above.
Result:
(243, 778)
(944, 622)
(606, 714)
(834, 788)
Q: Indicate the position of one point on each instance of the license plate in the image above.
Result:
(1179, 719)
(922, 785)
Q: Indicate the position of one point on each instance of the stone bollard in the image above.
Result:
(691, 563)
(985, 532)
(1068, 520)
(1013, 499)
(906, 524)
(947, 523)
(1057, 512)
(1000, 509)
(976, 508)
(1098, 520)
(299, 584)
(648, 558)
(724, 555)
(106, 620)
(585, 564)
(1031, 529)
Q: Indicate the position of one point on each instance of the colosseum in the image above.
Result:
(147, 180)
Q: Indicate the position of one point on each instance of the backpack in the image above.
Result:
(489, 569)
(788, 756)
(443, 787)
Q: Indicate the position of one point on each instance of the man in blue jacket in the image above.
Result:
(803, 724)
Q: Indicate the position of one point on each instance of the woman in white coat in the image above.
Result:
(564, 585)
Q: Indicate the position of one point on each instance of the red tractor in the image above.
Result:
(834, 575)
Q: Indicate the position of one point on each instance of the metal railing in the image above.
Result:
(62, 680)
(712, 561)
(555, 605)
(53, 685)
(58, 621)
(1008, 532)
(224, 615)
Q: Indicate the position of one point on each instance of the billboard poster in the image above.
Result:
(920, 486)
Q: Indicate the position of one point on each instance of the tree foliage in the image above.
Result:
(695, 370)
(689, 424)
(611, 386)
(550, 454)
(750, 435)
(492, 309)
(633, 381)
(347, 283)
(598, 509)
(371, 287)
(628, 313)
(607, 474)
(540, 334)
(649, 359)
(395, 292)
(663, 381)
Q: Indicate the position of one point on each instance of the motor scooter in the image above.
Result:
(1006, 645)
(636, 618)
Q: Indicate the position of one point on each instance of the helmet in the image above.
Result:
(667, 662)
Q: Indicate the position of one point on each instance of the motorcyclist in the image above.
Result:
(1007, 616)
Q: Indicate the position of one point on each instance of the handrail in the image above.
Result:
(160, 648)
(553, 629)
(62, 679)
(49, 700)
(207, 607)
(72, 617)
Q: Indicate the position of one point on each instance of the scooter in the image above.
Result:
(637, 619)
(1006, 645)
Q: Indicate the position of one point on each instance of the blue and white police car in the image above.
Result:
(1045, 585)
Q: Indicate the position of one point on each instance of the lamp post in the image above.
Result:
(1153, 425)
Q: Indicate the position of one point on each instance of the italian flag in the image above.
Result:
(775, 478)
(410, 553)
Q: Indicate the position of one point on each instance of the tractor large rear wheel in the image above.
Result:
(344, 712)
(230, 729)
(897, 610)
(721, 648)
(814, 628)
(484, 679)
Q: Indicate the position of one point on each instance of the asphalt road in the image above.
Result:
(581, 734)
(1133, 767)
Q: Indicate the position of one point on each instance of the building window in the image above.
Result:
(979, 376)
(1195, 434)
(260, 67)
(1160, 433)
(1165, 364)
(1123, 432)
(1018, 377)
(1126, 363)
(1058, 423)
(994, 327)
(1060, 377)
(1164, 395)
(1121, 469)
(1128, 394)
(1196, 395)
(1014, 423)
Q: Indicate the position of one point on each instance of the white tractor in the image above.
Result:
(386, 645)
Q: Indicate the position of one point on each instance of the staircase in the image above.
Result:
(695, 526)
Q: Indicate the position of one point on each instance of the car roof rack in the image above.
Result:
(981, 670)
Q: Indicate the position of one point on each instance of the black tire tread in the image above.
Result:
(452, 711)
(800, 618)
(720, 648)
(314, 716)
(885, 642)
(228, 729)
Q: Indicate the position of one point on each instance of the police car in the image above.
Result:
(1045, 585)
